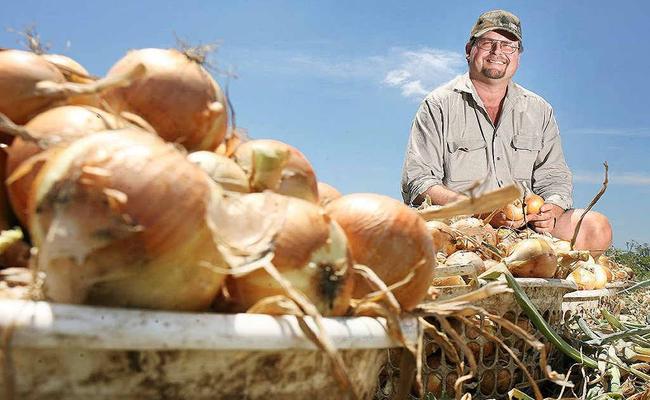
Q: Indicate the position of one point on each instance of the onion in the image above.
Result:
(582, 277)
(602, 275)
(20, 71)
(514, 211)
(473, 232)
(488, 379)
(310, 250)
(327, 193)
(391, 239)
(534, 203)
(120, 218)
(444, 238)
(66, 123)
(466, 258)
(177, 97)
(532, 258)
(454, 280)
(76, 73)
(222, 170)
(279, 167)
(504, 378)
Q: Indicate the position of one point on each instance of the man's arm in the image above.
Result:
(423, 169)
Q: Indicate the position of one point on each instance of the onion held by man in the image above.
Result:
(310, 251)
(391, 239)
(121, 218)
(514, 211)
(533, 203)
(20, 72)
(279, 167)
(177, 96)
(63, 124)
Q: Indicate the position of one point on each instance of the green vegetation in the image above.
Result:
(636, 257)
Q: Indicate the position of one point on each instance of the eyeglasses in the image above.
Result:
(488, 44)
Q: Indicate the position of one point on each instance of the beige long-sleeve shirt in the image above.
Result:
(454, 143)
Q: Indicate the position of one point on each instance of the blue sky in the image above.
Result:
(342, 80)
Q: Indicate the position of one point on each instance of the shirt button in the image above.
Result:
(500, 182)
(498, 158)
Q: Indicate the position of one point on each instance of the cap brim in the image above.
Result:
(498, 28)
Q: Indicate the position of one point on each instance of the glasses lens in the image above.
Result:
(487, 44)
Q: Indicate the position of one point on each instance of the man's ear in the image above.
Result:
(468, 49)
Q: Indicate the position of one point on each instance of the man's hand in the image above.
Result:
(545, 220)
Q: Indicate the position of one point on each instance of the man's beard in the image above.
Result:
(493, 73)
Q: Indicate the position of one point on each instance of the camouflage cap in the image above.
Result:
(497, 20)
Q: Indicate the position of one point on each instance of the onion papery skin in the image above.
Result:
(222, 170)
(177, 96)
(120, 218)
(310, 251)
(279, 167)
(582, 276)
(67, 123)
(532, 258)
(444, 238)
(389, 238)
(20, 71)
(477, 230)
(327, 193)
(75, 73)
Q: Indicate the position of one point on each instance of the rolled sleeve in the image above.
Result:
(424, 159)
(552, 178)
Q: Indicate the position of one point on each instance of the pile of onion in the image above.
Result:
(391, 239)
(177, 96)
(310, 251)
(20, 72)
(279, 167)
(120, 218)
(63, 124)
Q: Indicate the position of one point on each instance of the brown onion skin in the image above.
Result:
(532, 258)
(534, 203)
(133, 250)
(68, 123)
(306, 231)
(391, 239)
(174, 97)
(20, 71)
(327, 193)
(295, 178)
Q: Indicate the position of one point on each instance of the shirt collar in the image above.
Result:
(464, 84)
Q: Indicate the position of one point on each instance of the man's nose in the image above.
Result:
(496, 48)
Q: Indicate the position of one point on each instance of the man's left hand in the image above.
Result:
(546, 219)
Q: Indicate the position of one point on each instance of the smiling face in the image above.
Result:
(492, 66)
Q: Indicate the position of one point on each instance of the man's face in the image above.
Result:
(493, 64)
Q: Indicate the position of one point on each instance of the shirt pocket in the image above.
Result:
(467, 159)
(526, 148)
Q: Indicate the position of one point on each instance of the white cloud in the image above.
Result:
(416, 72)
(625, 179)
(413, 72)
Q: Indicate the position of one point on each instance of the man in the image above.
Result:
(483, 127)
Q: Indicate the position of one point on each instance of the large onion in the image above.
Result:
(120, 218)
(391, 239)
(222, 170)
(66, 123)
(532, 258)
(177, 97)
(20, 71)
(310, 251)
(279, 167)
